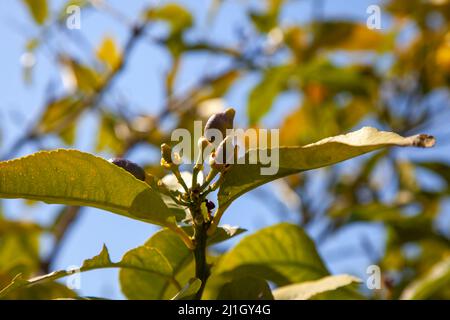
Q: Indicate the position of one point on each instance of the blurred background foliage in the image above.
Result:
(341, 74)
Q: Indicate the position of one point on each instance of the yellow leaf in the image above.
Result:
(309, 289)
(109, 53)
(38, 10)
(174, 14)
(443, 55)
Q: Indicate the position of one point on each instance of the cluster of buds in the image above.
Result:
(217, 144)
(169, 159)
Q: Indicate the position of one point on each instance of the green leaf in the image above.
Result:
(100, 260)
(139, 285)
(60, 114)
(180, 213)
(87, 79)
(263, 95)
(284, 251)
(224, 233)
(144, 259)
(178, 18)
(357, 80)
(189, 290)
(345, 35)
(245, 288)
(242, 178)
(265, 21)
(319, 117)
(283, 254)
(38, 10)
(174, 14)
(309, 289)
(76, 178)
(438, 277)
(42, 291)
(83, 298)
(107, 139)
(62, 14)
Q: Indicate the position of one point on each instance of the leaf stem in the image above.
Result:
(197, 168)
(210, 177)
(214, 186)
(183, 235)
(177, 174)
(215, 221)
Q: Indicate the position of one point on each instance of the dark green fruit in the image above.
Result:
(220, 121)
(130, 166)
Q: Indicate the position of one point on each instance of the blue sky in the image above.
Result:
(141, 84)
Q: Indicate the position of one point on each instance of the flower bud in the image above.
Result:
(129, 166)
(169, 159)
(221, 122)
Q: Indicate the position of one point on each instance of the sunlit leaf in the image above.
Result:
(42, 291)
(189, 290)
(38, 10)
(19, 247)
(266, 20)
(216, 87)
(436, 278)
(243, 177)
(309, 123)
(283, 254)
(347, 35)
(245, 288)
(309, 289)
(60, 115)
(264, 94)
(144, 259)
(358, 80)
(108, 139)
(174, 14)
(224, 233)
(76, 178)
(109, 53)
(136, 284)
